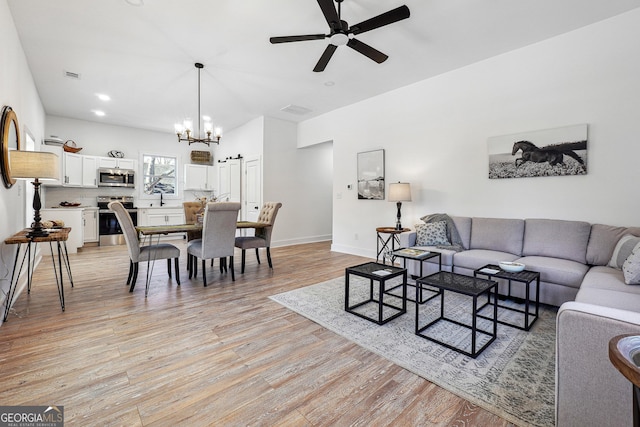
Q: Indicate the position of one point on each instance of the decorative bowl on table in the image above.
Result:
(70, 204)
(512, 267)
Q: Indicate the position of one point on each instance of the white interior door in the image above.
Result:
(253, 188)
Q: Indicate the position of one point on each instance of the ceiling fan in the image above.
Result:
(340, 33)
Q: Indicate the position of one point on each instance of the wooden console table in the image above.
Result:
(59, 236)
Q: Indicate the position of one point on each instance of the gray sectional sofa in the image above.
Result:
(595, 303)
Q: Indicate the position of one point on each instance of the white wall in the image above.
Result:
(17, 90)
(435, 132)
(302, 180)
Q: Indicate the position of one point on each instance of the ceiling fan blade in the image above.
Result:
(367, 51)
(287, 39)
(330, 13)
(324, 59)
(386, 18)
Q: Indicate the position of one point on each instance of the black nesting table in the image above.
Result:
(527, 277)
(377, 305)
(421, 256)
(466, 285)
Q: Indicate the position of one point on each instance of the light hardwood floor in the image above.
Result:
(221, 355)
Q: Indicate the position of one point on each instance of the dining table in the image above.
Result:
(157, 230)
(160, 230)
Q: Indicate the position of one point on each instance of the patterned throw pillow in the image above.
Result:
(631, 267)
(623, 249)
(431, 234)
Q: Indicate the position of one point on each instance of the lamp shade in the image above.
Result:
(33, 164)
(400, 192)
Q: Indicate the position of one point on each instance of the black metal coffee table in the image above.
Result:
(381, 273)
(465, 285)
(527, 277)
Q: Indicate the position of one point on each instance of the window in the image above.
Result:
(159, 175)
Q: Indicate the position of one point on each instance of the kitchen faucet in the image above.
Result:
(161, 202)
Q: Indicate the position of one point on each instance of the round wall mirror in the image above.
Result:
(10, 133)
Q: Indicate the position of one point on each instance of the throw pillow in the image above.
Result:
(623, 249)
(431, 234)
(631, 267)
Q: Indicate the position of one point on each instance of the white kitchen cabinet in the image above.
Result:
(75, 170)
(72, 217)
(116, 163)
(90, 219)
(90, 171)
(162, 216)
(199, 177)
(72, 170)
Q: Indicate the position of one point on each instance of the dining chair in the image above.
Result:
(191, 210)
(218, 237)
(262, 236)
(148, 253)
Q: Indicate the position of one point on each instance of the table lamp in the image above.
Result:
(34, 165)
(399, 192)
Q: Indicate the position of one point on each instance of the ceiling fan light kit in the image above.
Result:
(213, 135)
(341, 34)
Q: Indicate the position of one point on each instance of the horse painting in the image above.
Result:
(531, 153)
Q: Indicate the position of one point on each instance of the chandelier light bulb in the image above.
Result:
(188, 125)
(217, 133)
(208, 127)
(179, 128)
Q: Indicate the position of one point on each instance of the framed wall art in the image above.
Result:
(371, 175)
(551, 152)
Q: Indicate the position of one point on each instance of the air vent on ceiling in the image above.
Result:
(72, 75)
(296, 109)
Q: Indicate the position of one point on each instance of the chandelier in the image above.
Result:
(186, 128)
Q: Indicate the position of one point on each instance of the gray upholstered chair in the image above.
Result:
(138, 253)
(262, 237)
(218, 236)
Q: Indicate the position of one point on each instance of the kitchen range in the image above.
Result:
(109, 229)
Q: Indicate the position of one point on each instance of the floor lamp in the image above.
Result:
(399, 192)
(34, 165)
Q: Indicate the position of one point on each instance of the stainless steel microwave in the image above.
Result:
(108, 177)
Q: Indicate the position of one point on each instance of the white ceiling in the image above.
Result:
(143, 56)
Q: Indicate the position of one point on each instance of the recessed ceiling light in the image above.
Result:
(135, 2)
(103, 97)
(98, 113)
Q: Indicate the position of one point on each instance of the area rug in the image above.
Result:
(513, 378)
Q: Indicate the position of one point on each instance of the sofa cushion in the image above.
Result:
(476, 258)
(623, 249)
(431, 234)
(613, 299)
(631, 267)
(497, 234)
(556, 270)
(608, 279)
(602, 241)
(556, 238)
(463, 225)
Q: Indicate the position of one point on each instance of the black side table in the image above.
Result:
(387, 239)
(385, 311)
(465, 285)
(421, 256)
(527, 277)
